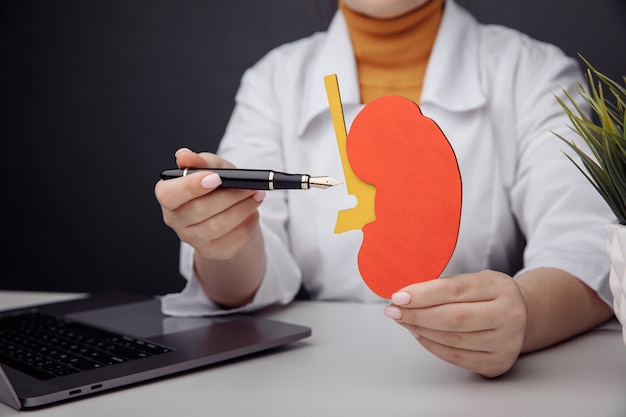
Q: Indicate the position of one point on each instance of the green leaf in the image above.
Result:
(605, 167)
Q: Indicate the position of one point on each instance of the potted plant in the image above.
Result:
(605, 167)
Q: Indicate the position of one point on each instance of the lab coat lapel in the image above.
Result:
(452, 78)
(335, 56)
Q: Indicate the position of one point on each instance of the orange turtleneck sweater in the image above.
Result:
(392, 54)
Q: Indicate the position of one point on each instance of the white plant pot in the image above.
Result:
(616, 248)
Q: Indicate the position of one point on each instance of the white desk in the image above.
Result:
(360, 363)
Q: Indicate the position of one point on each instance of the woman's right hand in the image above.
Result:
(217, 223)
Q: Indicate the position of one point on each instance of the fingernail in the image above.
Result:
(401, 298)
(393, 312)
(181, 149)
(259, 196)
(414, 334)
(211, 181)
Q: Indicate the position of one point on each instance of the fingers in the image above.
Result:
(476, 321)
(458, 289)
(224, 239)
(209, 214)
(185, 158)
(216, 222)
(174, 193)
(463, 303)
(218, 215)
(488, 364)
(489, 353)
(474, 341)
(455, 317)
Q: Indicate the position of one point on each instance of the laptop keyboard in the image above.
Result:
(46, 347)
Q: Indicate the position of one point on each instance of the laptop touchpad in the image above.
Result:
(142, 319)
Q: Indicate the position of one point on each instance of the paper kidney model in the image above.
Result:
(406, 156)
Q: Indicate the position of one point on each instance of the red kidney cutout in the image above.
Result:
(406, 156)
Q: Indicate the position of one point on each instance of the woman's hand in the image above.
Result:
(475, 321)
(222, 225)
(216, 223)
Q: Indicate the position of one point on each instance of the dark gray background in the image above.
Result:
(97, 96)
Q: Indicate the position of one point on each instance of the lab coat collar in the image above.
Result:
(336, 57)
(452, 79)
(444, 85)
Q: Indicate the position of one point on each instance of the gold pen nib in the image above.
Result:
(323, 182)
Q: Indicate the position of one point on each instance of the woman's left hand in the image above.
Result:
(475, 321)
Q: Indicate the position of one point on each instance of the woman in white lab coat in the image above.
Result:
(527, 212)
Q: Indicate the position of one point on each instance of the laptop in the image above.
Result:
(58, 351)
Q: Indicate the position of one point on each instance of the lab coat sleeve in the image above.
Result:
(193, 302)
(562, 216)
(252, 139)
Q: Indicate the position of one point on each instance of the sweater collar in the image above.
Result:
(393, 42)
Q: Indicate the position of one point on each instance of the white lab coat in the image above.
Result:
(490, 89)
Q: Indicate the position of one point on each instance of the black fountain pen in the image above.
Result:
(258, 179)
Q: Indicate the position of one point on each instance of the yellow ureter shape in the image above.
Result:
(357, 217)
